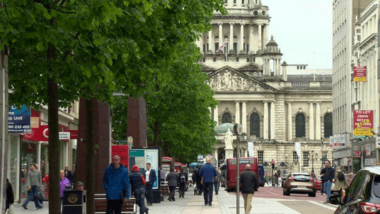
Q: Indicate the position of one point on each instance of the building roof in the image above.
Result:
(223, 128)
(272, 42)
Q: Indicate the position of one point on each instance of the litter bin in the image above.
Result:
(74, 201)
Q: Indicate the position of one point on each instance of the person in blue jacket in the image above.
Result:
(117, 186)
(208, 172)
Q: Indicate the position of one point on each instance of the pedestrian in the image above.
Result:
(208, 173)
(278, 172)
(199, 182)
(68, 174)
(322, 179)
(339, 180)
(194, 178)
(10, 199)
(150, 177)
(248, 184)
(182, 183)
(117, 186)
(162, 175)
(172, 179)
(137, 183)
(80, 186)
(64, 183)
(217, 181)
(276, 179)
(34, 183)
(328, 176)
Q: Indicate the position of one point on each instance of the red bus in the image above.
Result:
(177, 167)
(230, 184)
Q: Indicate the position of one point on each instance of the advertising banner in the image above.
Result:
(19, 119)
(123, 152)
(250, 149)
(143, 156)
(360, 73)
(363, 122)
(298, 149)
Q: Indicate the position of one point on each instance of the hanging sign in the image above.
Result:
(360, 74)
(363, 122)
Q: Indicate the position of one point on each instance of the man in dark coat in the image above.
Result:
(328, 177)
(182, 176)
(172, 179)
(137, 183)
(199, 183)
(248, 184)
(150, 177)
(10, 199)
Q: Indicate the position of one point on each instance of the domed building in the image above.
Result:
(277, 103)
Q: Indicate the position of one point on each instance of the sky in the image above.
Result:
(302, 30)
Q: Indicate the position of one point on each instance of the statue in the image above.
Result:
(228, 139)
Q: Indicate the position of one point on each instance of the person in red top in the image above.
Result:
(138, 182)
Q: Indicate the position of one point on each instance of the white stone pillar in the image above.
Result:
(237, 112)
(216, 114)
(221, 35)
(231, 39)
(264, 66)
(279, 67)
(318, 121)
(274, 67)
(266, 120)
(272, 120)
(311, 122)
(241, 37)
(251, 39)
(265, 35)
(244, 116)
(260, 36)
(238, 3)
(210, 41)
(290, 122)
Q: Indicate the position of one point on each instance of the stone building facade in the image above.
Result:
(253, 88)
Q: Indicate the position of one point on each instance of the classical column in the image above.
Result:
(260, 36)
(266, 115)
(274, 67)
(318, 121)
(221, 35)
(272, 120)
(311, 122)
(279, 67)
(265, 35)
(216, 114)
(244, 116)
(290, 122)
(251, 38)
(242, 37)
(237, 112)
(211, 41)
(231, 39)
(264, 66)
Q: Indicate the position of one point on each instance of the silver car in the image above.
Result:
(299, 182)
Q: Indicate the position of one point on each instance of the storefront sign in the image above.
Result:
(19, 119)
(363, 122)
(42, 133)
(64, 135)
(377, 142)
(370, 161)
(357, 153)
(360, 74)
(368, 150)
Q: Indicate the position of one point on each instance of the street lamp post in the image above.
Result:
(312, 161)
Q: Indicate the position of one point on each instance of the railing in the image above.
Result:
(308, 85)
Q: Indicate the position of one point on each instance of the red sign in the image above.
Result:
(73, 134)
(123, 152)
(360, 73)
(363, 119)
(42, 133)
(357, 153)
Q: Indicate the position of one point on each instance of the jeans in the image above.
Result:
(149, 193)
(327, 189)
(207, 192)
(33, 195)
(247, 202)
(216, 186)
(114, 206)
(140, 200)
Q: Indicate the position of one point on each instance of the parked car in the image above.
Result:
(318, 183)
(299, 182)
(362, 195)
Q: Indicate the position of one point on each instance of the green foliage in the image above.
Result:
(119, 118)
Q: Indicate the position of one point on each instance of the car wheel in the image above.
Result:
(312, 194)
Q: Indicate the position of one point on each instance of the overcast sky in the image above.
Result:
(303, 31)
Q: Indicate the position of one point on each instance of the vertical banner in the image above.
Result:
(250, 149)
(19, 119)
(153, 158)
(360, 74)
(298, 149)
(363, 122)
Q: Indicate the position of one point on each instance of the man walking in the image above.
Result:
(34, 183)
(328, 176)
(116, 184)
(248, 185)
(182, 183)
(150, 177)
(208, 173)
(68, 174)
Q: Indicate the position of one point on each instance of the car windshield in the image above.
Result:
(301, 177)
(376, 186)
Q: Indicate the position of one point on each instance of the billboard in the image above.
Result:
(363, 122)
(19, 119)
(360, 74)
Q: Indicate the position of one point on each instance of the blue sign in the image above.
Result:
(19, 119)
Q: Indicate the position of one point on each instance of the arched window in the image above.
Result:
(226, 118)
(255, 124)
(300, 125)
(328, 120)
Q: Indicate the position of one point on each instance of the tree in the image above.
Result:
(120, 118)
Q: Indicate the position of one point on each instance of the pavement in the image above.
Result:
(268, 200)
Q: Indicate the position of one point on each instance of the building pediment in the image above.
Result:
(227, 79)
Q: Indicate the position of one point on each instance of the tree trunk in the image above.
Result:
(90, 155)
(156, 140)
(54, 144)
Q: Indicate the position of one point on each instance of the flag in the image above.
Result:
(220, 48)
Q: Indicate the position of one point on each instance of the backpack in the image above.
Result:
(340, 176)
(183, 178)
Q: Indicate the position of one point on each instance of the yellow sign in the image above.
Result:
(363, 131)
(360, 79)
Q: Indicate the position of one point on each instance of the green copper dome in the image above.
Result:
(223, 128)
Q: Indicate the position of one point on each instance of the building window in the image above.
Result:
(247, 49)
(260, 156)
(226, 118)
(235, 47)
(254, 60)
(216, 46)
(226, 1)
(214, 59)
(328, 128)
(306, 159)
(255, 124)
(234, 1)
(300, 125)
(237, 59)
(204, 59)
(242, 1)
(298, 67)
(295, 157)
